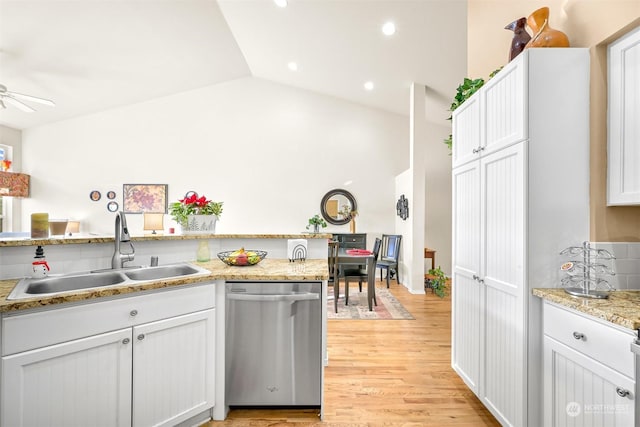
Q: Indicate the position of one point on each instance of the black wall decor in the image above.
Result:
(402, 207)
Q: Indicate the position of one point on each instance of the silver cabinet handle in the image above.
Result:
(476, 151)
(140, 337)
(133, 313)
(481, 148)
(125, 341)
(622, 392)
(579, 336)
(476, 277)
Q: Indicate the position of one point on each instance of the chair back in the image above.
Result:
(391, 247)
(333, 261)
(371, 265)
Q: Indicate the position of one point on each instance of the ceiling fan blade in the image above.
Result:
(22, 106)
(31, 98)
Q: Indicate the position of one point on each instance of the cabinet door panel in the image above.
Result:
(579, 391)
(505, 106)
(466, 289)
(502, 270)
(624, 127)
(173, 369)
(81, 383)
(466, 131)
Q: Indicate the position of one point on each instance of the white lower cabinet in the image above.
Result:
(173, 362)
(86, 382)
(588, 371)
(156, 372)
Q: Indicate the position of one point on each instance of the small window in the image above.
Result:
(5, 202)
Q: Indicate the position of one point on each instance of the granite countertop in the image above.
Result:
(84, 238)
(621, 308)
(268, 269)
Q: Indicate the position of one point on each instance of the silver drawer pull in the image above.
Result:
(476, 151)
(579, 336)
(140, 337)
(622, 392)
(133, 313)
(125, 341)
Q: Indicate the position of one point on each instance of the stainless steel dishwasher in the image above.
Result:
(273, 344)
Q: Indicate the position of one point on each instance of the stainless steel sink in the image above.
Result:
(50, 285)
(53, 285)
(161, 272)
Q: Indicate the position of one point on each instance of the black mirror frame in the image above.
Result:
(330, 194)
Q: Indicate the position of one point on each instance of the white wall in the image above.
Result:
(270, 152)
(437, 161)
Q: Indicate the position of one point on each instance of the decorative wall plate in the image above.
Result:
(112, 206)
(95, 195)
(111, 195)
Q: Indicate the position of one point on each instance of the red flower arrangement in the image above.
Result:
(194, 205)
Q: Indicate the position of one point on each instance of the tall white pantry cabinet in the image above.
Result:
(520, 196)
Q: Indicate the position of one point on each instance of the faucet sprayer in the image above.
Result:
(121, 236)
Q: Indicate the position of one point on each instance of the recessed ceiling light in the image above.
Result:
(293, 66)
(389, 28)
(368, 85)
(280, 3)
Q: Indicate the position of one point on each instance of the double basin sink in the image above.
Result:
(53, 285)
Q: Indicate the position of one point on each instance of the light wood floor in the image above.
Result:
(387, 373)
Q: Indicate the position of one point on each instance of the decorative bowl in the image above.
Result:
(248, 257)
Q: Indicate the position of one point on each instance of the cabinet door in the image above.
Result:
(173, 369)
(502, 244)
(504, 106)
(466, 131)
(465, 294)
(623, 173)
(86, 382)
(579, 391)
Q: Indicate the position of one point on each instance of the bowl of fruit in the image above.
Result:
(242, 257)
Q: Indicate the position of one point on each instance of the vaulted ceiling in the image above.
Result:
(92, 55)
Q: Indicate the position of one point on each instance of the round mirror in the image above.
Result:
(336, 206)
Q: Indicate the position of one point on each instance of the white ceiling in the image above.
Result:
(92, 55)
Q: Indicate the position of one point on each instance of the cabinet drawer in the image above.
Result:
(21, 332)
(590, 336)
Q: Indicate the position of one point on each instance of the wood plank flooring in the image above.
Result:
(386, 373)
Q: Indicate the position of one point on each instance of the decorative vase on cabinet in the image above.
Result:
(543, 34)
(511, 219)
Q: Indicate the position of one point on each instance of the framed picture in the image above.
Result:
(139, 198)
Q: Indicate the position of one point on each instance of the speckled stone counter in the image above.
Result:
(621, 308)
(84, 239)
(268, 269)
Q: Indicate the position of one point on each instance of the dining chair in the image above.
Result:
(332, 260)
(368, 274)
(389, 256)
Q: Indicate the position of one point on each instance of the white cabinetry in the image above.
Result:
(588, 370)
(518, 200)
(143, 360)
(623, 174)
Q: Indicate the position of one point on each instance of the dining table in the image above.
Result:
(358, 257)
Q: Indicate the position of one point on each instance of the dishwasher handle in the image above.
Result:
(275, 298)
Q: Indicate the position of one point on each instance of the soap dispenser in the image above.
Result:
(39, 266)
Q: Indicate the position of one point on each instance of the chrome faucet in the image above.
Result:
(122, 236)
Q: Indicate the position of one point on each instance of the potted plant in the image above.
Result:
(463, 92)
(316, 221)
(196, 214)
(437, 282)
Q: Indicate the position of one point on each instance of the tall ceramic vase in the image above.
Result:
(520, 37)
(544, 35)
